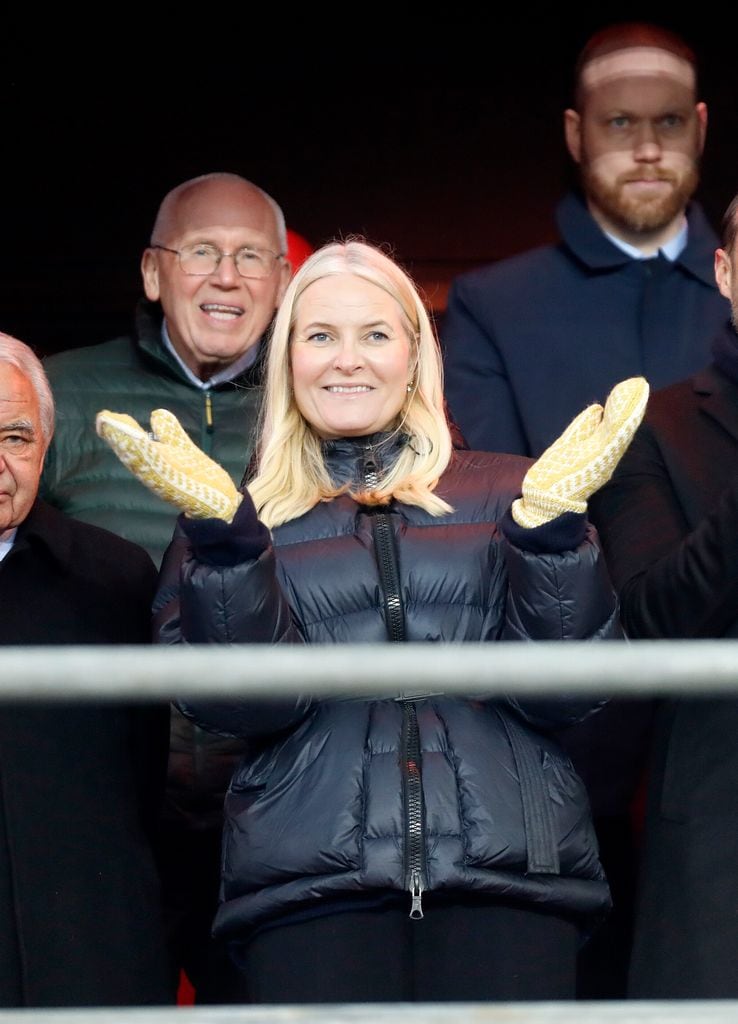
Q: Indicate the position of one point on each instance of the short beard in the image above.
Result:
(640, 216)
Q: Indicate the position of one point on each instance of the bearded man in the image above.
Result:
(628, 290)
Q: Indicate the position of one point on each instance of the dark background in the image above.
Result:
(439, 135)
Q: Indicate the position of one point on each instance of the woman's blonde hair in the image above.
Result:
(291, 475)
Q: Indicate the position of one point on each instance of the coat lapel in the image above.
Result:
(717, 398)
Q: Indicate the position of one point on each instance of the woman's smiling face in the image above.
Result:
(351, 356)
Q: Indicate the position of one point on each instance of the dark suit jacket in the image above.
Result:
(80, 784)
(531, 340)
(669, 526)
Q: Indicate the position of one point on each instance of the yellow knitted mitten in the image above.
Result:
(583, 458)
(170, 465)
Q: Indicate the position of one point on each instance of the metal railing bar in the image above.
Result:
(607, 668)
(600, 1012)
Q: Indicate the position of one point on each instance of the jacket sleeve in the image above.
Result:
(565, 595)
(477, 387)
(674, 582)
(201, 603)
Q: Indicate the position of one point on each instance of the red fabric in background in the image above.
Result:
(298, 248)
(185, 992)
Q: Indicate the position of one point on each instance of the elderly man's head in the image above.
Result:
(26, 427)
(217, 264)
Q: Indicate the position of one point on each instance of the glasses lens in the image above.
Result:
(254, 262)
(202, 260)
(199, 260)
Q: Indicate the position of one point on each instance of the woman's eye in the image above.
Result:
(319, 338)
(377, 336)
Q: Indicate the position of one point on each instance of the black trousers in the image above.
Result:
(189, 863)
(465, 951)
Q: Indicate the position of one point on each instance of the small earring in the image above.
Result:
(410, 386)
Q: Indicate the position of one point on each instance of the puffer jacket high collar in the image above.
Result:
(346, 457)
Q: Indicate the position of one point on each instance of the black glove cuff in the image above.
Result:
(564, 533)
(215, 542)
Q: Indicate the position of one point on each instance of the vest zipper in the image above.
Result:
(410, 755)
(209, 424)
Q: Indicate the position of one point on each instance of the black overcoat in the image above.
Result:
(80, 917)
(669, 526)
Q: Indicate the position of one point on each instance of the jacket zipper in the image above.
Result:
(413, 793)
(387, 558)
(410, 756)
(384, 545)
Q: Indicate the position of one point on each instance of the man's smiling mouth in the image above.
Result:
(219, 311)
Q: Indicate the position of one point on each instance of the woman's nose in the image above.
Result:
(348, 356)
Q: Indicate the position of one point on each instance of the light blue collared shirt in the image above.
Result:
(229, 373)
(672, 249)
(7, 540)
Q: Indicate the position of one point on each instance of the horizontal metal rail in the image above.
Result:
(644, 667)
(635, 668)
(682, 1012)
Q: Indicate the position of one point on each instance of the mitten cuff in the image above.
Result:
(564, 533)
(215, 542)
(538, 507)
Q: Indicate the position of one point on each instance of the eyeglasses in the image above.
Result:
(203, 259)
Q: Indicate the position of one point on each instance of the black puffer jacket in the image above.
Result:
(438, 793)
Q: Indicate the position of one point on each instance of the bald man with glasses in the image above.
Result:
(213, 274)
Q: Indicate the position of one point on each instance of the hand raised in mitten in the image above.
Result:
(583, 458)
(170, 464)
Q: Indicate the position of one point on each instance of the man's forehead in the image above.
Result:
(638, 62)
(649, 96)
(222, 208)
(16, 392)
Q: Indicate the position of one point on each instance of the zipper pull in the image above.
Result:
(208, 412)
(416, 892)
(371, 470)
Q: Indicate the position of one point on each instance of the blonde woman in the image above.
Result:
(424, 848)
